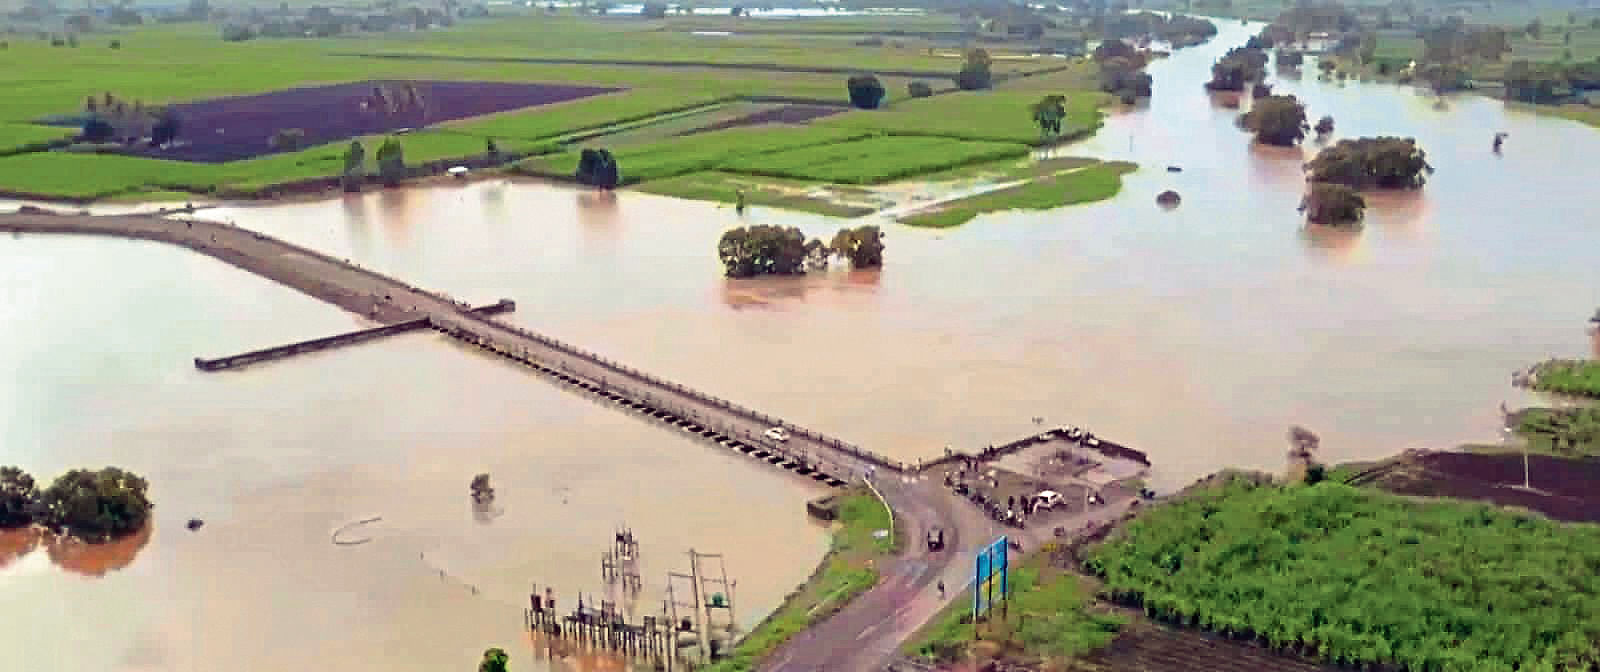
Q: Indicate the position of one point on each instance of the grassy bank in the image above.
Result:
(1357, 577)
(849, 569)
(1068, 187)
(1564, 432)
(1050, 619)
(1577, 377)
(720, 187)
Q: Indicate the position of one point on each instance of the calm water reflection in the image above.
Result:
(1197, 334)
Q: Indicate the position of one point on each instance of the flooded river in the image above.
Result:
(1198, 335)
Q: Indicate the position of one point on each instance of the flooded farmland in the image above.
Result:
(1197, 335)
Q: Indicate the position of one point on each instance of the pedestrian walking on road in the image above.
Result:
(941, 589)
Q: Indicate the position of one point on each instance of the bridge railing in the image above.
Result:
(724, 404)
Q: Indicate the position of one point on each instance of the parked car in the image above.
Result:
(777, 434)
(1047, 499)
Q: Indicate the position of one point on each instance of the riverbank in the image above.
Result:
(861, 539)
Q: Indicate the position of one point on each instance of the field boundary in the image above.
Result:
(710, 65)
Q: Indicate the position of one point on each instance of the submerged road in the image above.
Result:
(862, 636)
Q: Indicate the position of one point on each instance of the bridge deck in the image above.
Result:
(336, 341)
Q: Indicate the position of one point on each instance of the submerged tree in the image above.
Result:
(1333, 204)
(17, 496)
(1367, 163)
(862, 245)
(494, 660)
(355, 162)
(763, 250)
(597, 168)
(96, 505)
(1324, 125)
(1277, 120)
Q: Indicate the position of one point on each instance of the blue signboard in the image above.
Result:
(991, 570)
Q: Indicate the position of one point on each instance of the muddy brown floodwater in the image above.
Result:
(1198, 335)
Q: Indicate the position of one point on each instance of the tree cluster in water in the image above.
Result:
(1276, 120)
(1365, 579)
(1177, 30)
(1237, 69)
(774, 250)
(91, 505)
(1122, 71)
(1372, 163)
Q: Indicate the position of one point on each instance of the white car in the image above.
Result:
(1048, 499)
(777, 434)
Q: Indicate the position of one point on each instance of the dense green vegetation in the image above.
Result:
(847, 571)
(92, 505)
(1078, 185)
(1277, 120)
(1333, 204)
(1579, 377)
(701, 151)
(999, 115)
(1360, 577)
(775, 250)
(874, 160)
(1567, 432)
(1372, 163)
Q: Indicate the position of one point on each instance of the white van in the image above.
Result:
(1047, 500)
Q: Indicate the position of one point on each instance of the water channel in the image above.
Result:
(1198, 335)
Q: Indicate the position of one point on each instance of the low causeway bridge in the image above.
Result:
(402, 307)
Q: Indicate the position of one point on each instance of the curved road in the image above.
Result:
(862, 636)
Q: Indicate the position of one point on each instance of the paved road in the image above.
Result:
(863, 636)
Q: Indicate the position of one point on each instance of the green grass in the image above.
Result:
(720, 187)
(874, 160)
(14, 137)
(698, 152)
(1356, 576)
(847, 571)
(1566, 376)
(1049, 616)
(1564, 432)
(1583, 114)
(1073, 186)
(586, 114)
(999, 115)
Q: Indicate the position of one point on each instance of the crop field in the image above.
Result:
(1143, 646)
(230, 129)
(999, 115)
(779, 114)
(694, 153)
(875, 160)
(1355, 576)
(14, 137)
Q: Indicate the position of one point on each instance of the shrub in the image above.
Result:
(866, 92)
(919, 89)
(1333, 204)
(116, 44)
(1277, 120)
(391, 162)
(598, 168)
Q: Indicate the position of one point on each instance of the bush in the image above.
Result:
(96, 504)
(116, 44)
(1277, 120)
(1324, 125)
(919, 89)
(1366, 163)
(975, 71)
(866, 92)
(1333, 204)
(762, 250)
(597, 168)
(234, 33)
(391, 162)
(18, 495)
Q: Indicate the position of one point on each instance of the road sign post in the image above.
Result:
(992, 565)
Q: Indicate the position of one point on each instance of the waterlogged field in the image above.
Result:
(1360, 577)
(875, 160)
(1076, 185)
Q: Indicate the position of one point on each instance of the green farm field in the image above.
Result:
(875, 160)
(997, 115)
(702, 151)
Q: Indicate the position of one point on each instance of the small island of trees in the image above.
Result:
(1339, 172)
(94, 506)
(1238, 68)
(1277, 120)
(775, 250)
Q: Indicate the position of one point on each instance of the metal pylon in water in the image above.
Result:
(716, 593)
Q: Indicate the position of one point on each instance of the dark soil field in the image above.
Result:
(229, 129)
(788, 114)
(1568, 486)
(1149, 647)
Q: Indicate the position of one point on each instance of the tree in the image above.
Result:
(865, 91)
(1324, 125)
(1371, 163)
(763, 250)
(1237, 68)
(598, 168)
(1277, 120)
(653, 10)
(863, 246)
(17, 497)
(1333, 204)
(975, 71)
(96, 505)
(919, 89)
(491, 150)
(1048, 113)
(355, 160)
(494, 660)
(391, 158)
(1534, 29)
(287, 140)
